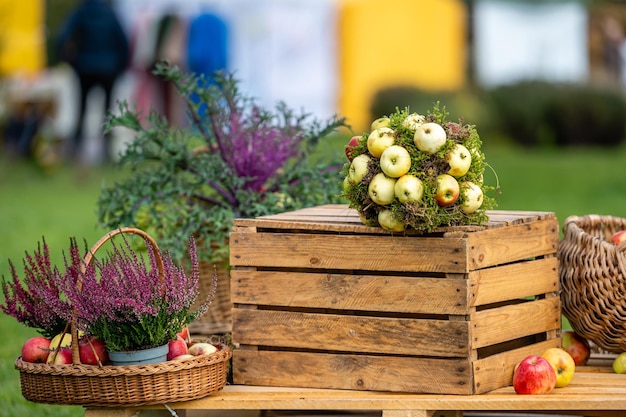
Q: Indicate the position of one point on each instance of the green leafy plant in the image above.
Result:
(235, 159)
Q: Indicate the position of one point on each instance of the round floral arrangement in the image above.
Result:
(420, 172)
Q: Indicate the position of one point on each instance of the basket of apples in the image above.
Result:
(95, 309)
(419, 172)
(592, 270)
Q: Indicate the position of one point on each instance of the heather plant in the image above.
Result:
(234, 159)
(132, 302)
(26, 299)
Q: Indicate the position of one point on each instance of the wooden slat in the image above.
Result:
(392, 336)
(500, 324)
(514, 243)
(517, 280)
(353, 372)
(362, 253)
(350, 292)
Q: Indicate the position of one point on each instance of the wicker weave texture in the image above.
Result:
(110, 386)
(592, 271)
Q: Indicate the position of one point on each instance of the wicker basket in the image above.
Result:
(593, 280)
(91, 385)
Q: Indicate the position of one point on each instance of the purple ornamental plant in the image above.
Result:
(235, 159)
(27, 299)
(125, 301)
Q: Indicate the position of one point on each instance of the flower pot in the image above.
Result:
(139, 357)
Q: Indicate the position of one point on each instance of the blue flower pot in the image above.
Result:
(139, 357)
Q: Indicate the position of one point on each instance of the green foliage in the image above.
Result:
(235, 160)
(536, 113)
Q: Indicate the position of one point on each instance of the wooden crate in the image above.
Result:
(322, 301)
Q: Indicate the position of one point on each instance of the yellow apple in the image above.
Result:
(459, 159)
(473, 197)
(379, 140)
(429, 137)
(388, 222)
(358, 168)
(395, 161)
(413, 120)
(409, 189)
(563, 365)
(380, 122)
(381, 189)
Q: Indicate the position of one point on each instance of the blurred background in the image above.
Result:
(530, 70)
(543, 80)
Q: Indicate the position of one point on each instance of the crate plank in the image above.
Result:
(349, 333)
(387, 293)
(356, 372)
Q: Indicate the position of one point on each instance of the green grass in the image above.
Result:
(62, 204)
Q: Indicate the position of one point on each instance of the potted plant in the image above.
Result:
(127, 300)
(235, 159)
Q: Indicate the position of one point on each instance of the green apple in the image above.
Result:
(359, 168)
(409, 189)
(395, 161)
(381, 189)
(388, 222)
(459, 159)
(429, 137)
(448, 190)
(413, 120)
(379, 140)
(619, 364)
(473, 197)
(380, 122)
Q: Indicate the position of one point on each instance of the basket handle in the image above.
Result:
(87, 260)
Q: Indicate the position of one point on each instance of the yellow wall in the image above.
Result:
(22, 40)
(397, 42)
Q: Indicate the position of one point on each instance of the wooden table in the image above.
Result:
(594, 391)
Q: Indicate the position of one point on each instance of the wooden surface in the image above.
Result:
(594, 391)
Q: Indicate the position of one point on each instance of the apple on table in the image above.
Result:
(448, 190)
(563, 365)
(534, 375)
(577, 346)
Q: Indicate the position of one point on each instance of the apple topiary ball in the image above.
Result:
(420, 172)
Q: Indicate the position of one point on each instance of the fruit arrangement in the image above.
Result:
(92, 351)
(419, 172)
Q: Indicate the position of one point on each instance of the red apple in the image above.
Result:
(619, 237)
(36, 349)
(352, 143)
(61, 357)
(534, 375)
(577, 346)
(176, 348)
(92, 351)
(184, 333)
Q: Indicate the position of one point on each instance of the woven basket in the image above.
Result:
(92, 385)
(593, 280)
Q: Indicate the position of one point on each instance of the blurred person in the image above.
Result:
(94, 43)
